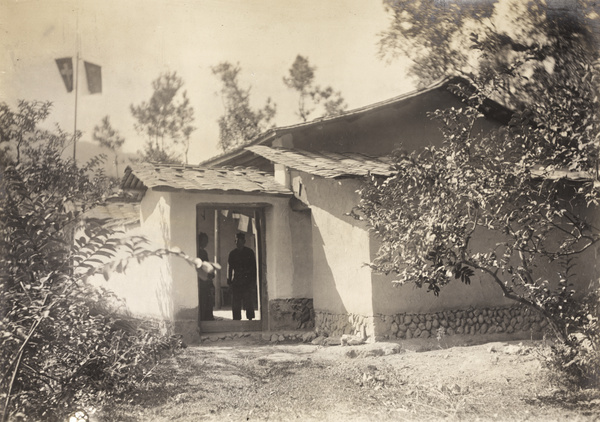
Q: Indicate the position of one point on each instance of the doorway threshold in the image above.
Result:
(230, 326)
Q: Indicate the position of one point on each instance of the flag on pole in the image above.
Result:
(65, 67)
(93, 73)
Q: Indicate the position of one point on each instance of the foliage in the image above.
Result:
(61, 342)
(109, 138)
(508, 185)
(240, 123)
(577, 360)
(167, 116)
(17, 128)
(475, 38)
(301, 79)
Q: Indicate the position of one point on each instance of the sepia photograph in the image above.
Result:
(265, 210)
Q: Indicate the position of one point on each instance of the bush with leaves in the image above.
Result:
(576, 361)
(61, 342)
(513, 185)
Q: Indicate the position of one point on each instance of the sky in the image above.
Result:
(136, 40)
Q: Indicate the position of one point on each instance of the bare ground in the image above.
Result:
(249, 379)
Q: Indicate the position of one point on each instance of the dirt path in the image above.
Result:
(248, 379)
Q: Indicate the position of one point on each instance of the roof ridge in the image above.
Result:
(322, 119)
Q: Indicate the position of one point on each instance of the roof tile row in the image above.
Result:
(140, 176)
(325, 164)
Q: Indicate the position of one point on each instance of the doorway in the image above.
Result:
(221, 224)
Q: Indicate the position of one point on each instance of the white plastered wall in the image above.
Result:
(341, 283)
(279, 248)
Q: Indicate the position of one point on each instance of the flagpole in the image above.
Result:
(78, 41)
(75, 114)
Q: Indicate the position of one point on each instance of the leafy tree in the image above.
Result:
(166, 117)
(17, 127)
(301, 79)
(61, 343)
(109, 138)
(240, 123)
(511, 184)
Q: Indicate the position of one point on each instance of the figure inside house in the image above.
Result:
(206, 287)
(241, 277)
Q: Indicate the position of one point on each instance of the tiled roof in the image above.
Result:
(140, 176)
(325, 164)
(276, 132)
(116, 213)
(558, 174)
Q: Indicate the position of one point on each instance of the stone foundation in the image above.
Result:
(336, 325)
(506, 320)
(467, 322)
(291, 314)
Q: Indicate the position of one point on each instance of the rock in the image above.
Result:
(424, 334)
(332, 341)
(274, 338)
(483, 329)
(408, 335)
(351, 353)
(428, 325)
(421, 326)
(348, 340)
(444, 323)
(318, 341)
(308, 337)
(435, 323)
(355, 341)
(513, 349)
(480, 319)
(395, 349)
(417, 332)
(281, 337)
(407, 319)
(496, 347)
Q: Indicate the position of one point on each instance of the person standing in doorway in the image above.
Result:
(241, 277)
(206, 287)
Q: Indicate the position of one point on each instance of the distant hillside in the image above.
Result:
(88, 150)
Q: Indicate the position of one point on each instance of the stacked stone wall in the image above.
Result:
(336, 325)
(452, 322)
(291, 314)
(470, 322)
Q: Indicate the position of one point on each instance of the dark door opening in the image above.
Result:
(221, 224)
